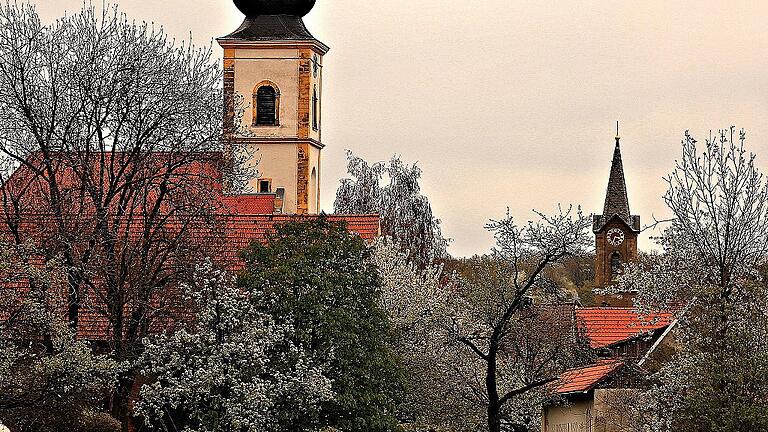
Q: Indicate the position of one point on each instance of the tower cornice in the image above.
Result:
(315, 44)
(278, 141)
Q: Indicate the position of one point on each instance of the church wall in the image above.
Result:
(604, 250)
(289, 165)
(317, 82)
(314, 187)
(280, 67)
(278, 163)
(288, 152)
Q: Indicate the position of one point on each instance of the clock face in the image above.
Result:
(615, 236)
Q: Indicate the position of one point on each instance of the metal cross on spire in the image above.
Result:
(617, 133)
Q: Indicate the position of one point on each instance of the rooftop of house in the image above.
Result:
(585, 378)
(241, 231)
(606, 326)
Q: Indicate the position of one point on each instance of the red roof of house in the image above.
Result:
(605, 326)
(240, 231)
(585, 378)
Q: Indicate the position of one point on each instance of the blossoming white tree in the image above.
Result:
(406, 214)
(233, 369)
(416, 300)
(49, 381)
(110, 149)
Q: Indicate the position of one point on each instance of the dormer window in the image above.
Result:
(265, 186)
(266, 105)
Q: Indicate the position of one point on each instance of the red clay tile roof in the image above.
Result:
(585, 378)
(255, 204)
(245, 219)
(605, 326)
(242, 230)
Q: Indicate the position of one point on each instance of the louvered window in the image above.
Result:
(314, 109)
(615, 265)
(266, 106)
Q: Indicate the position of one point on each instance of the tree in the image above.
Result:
(416, 299)
(233, 369)
(712, 252)
(719, 234)
(49, 381)
(110, 140)
(406, 215)
(576, 275)
(517, 338)
(315, 275)
(490, 341)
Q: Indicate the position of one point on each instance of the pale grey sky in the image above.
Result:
(513, 103)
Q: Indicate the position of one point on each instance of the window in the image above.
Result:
(279, 199)
(615, 265)
(266, 105)
(313, 190)
(314, 108)
(265, 186)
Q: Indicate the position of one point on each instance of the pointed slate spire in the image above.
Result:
(616, 201)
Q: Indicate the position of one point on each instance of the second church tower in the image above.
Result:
(616, 229)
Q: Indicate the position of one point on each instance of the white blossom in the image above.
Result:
(232, 369)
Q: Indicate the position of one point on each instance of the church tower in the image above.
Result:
(616, 229)
(273, 74)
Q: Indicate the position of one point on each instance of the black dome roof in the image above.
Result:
(253, 8)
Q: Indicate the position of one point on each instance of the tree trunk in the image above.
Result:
(121, 399)
(494, 420)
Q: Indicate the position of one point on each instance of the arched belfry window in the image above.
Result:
(315, 106)
(266, 104)
(615, 265)
(313, 187)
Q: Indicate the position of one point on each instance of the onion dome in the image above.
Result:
(272, 20)
(254, 8)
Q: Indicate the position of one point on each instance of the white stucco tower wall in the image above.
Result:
(273, 81)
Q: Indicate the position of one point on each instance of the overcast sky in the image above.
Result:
(513, 103)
